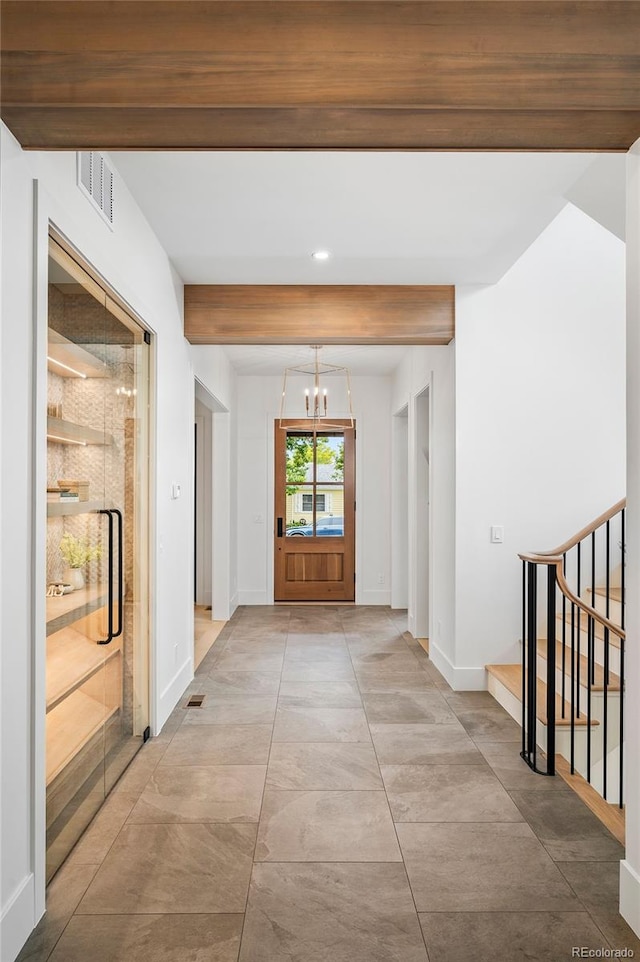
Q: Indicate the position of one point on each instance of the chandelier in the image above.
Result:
(316, 394)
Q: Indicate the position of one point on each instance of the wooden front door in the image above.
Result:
(314, 512)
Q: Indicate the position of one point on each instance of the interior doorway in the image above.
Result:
(400, 509)
(206, 630)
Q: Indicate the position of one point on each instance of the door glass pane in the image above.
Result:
(299, 454)
(330, 457)
(299, 516)
(329, 511)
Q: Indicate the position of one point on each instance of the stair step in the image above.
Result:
(511, 677)
(615, 592)
(597, 684)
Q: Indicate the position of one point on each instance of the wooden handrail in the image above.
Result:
(586, 531)
(557, 559)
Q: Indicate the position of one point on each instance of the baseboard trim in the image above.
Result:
(630, 896)
(253, 598)
(460, 679)
(371, 596)
(17, 921)
(173, 692)
(233, 604)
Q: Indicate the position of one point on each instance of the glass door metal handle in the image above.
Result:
(109, 638)
(279, 527)
(118, 514)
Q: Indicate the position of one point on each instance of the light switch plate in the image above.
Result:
(176, 491)
(497, 533)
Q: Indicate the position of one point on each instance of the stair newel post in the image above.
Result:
(531, 666)
(551, 669)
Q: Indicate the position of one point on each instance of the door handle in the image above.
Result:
(109, 638)
(279, 527)
(118, 514)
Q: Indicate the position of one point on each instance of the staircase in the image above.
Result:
(567, 690)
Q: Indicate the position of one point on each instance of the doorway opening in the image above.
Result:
(421, 523)
(206, 630)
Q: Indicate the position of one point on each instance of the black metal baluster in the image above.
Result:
(592, 638)
(589, 630)
(622, 643)
(580, 619)
(621, 704)
(564, 638)
(573, 710)
(605, 710)
(551, 670)
(524, 657)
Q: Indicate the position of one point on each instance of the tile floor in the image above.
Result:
(333, 801)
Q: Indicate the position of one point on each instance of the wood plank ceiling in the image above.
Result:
(346, 74)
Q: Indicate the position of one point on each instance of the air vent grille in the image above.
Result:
(95, 180)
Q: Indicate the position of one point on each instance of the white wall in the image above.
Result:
(400, 509)
(630, 867)
(432, 368)
(258, 404)
(134, 263)
(540, 421)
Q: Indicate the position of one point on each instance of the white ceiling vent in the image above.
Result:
(95, 179)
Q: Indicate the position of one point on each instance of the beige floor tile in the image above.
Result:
(387, 660)
(155, 869)
(318, 671)
(512, 770)
(428, 707)
(481, 867)
(424, 745)
(233, 710)
(150, 938)
(303, 724)
(382, 680)
(508, 936)
(331, 913)
(220, 682)
(63, 896)
(326, 827)
(447, 793)
(319, 694)
(220, 745)
(104, 829)
(249, 661)
(329, 766)
(220, 793)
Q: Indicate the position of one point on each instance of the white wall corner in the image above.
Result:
(173, 692)
(233, 604)
(460, 679)
(17, 920)
(630, 896)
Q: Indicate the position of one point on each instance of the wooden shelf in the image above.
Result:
(70, 725)
(72, 659)
(63, 611)
(73, 360)
(59, 509)
(66, 432)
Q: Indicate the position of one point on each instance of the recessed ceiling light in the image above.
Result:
(321, 255)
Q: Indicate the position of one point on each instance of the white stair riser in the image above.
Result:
(599, 602)
(599, 650)
(513, 706)
(595, 695)
(598, 628)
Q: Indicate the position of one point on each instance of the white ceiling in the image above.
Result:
(388, 218)
(263, 359)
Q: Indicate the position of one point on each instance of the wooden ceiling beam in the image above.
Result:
(350, 74)
(319, 314)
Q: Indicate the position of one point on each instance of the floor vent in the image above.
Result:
(195, 701)
(95, 180)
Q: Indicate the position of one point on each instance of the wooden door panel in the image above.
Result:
(310, 567)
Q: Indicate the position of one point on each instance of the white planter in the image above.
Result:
(74, 577)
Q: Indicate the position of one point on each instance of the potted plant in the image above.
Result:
(77, 552)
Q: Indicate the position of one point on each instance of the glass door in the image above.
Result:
(97, 415)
